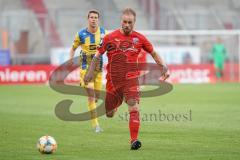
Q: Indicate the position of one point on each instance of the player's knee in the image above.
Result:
(133, 109)
(91, 99)
(91, 95)
(132, 105)
(131, 102)
(97, 94)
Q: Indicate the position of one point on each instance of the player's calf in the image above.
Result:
(132, 102)
(134, 123)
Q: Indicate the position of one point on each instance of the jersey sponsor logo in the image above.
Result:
(127, 46)
(92, 47)
(123, 46)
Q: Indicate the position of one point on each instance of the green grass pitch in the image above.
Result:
(207, 126)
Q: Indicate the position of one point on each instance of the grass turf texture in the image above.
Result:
(213, 132)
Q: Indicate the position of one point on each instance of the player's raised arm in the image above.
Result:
(161, 63)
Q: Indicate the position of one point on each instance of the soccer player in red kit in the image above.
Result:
(123, 47)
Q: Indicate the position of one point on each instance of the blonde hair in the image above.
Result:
(129, 11)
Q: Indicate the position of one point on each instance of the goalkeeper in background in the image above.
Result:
(89, 39)
(218, 55)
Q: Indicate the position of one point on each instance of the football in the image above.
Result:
(47, 145)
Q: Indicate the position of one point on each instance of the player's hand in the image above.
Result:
(165, 73)
(88, 77)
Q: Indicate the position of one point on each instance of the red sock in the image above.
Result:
(134, 124)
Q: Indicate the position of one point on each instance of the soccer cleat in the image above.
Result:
(98, 129)
(136, 144)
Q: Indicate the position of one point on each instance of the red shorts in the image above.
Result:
(123, 90)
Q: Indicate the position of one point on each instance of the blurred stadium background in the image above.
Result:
(37, 32)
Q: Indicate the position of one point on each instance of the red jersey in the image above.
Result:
(122, 52)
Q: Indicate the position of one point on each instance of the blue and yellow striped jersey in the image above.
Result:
(89, 43)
